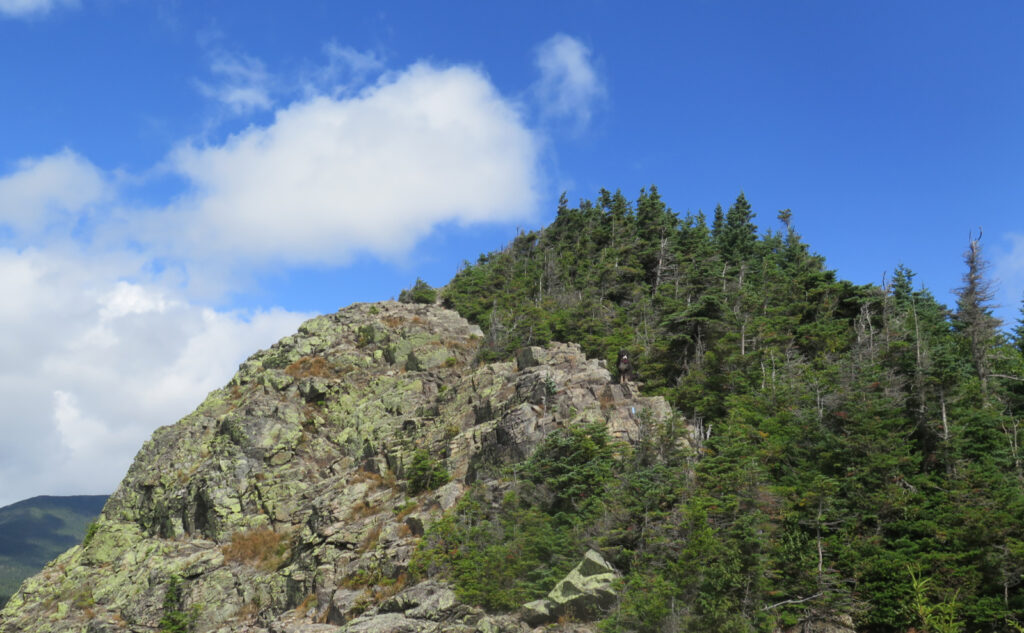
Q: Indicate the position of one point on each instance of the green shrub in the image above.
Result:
(367, 334)
(421, 292)
(175, 619)
(425, 473)
(496, 559)
(574, 464)
(499, 557)
(90, 532)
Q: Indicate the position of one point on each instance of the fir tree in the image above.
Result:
(974, 317)
(841, 434)
(1018, 331)
(740, 234)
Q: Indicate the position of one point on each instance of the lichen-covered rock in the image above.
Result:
(279, 505)
(584, 593)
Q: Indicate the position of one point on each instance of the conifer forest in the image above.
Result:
(857, 448)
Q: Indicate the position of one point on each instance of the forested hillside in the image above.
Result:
(34, 531)
(858, 449)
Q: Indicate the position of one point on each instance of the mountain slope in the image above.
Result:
(859, 445)
(294, 498)
(849, 459)
(34, 531)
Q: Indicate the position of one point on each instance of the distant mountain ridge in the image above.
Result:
(35, 531)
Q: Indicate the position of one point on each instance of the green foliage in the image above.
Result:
(421, 292)
(574, 465)
(1018, 330)
(425, 473)
(366, 334)
(843, 433)
(90, 532)
(497, 561)
(500, 558)
(175, 619)
(934, 617)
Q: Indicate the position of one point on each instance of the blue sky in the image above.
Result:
(182, 183)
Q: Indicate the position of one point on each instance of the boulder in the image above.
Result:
(584, 594)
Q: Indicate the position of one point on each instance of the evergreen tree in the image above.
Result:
(853, 449)
(739, 235)
(1018, 331)
(656, 228)
(974, 319)
(718, 224)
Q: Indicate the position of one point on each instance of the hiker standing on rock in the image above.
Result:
(625, 367)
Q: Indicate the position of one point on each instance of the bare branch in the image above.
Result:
(793, 601)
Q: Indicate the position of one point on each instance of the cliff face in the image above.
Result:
(282, 503)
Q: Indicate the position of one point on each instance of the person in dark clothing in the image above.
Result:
(625, 367)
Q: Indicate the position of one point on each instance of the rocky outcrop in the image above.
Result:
(584, 594)
(280, 504)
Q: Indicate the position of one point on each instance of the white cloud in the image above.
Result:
(50, 189)
(26, 8)
(371, 173)
(97, 350)
(79, 433)
(245, 83)
(347, 68)
(569, 85)
(128, 298)
(90, 364)
(355, 61)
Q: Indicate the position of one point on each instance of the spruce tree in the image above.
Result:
(1018, 331)
(840, 434)
(740, 234)
(974, 318)
(656, 228)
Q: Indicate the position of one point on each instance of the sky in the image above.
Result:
(183, 183)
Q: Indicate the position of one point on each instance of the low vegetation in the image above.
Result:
(309, 366)
(501, 557)
(262, 548)
(425, 473)
(421, 292)
(177, 619)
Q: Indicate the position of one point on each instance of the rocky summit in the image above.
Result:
(284, 503)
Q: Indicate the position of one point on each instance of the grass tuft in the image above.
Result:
(262, 548)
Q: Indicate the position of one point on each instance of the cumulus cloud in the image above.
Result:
(90, 364)
(50, 189)
(569, 85)
(244, 84)
(27, 8)
(371, 173)
(98, 350)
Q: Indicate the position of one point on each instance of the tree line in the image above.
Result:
(857, 447)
